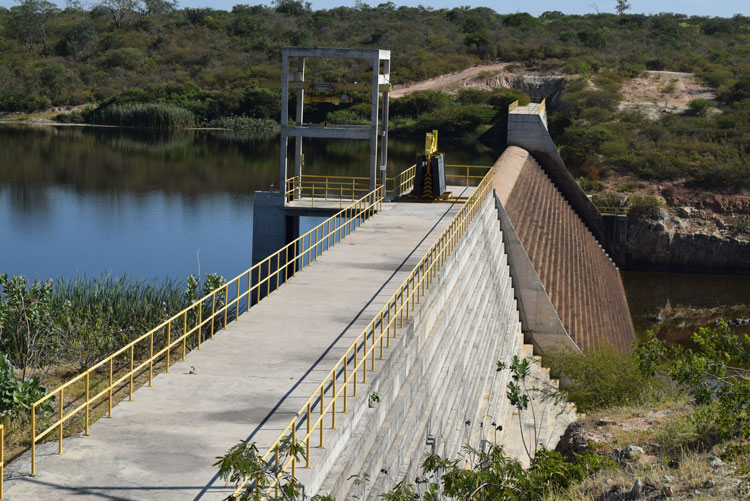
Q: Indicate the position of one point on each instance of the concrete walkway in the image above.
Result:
(247, 382)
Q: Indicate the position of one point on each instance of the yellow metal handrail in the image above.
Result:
(2, 460)
(260, 280)
(335, 387)
(512, 106)
(465, 172)
(404, 182)
(314, 186)
(542, 105)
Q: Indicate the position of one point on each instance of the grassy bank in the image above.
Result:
(52, 330)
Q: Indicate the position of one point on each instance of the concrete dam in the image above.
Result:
(369, 340)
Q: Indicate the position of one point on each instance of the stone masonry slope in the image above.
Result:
(582, 282)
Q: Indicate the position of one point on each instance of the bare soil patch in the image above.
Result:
(660, 92)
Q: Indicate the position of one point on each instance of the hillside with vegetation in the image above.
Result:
(152, 63)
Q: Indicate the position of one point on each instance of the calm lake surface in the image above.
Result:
(89, 200)
(84, 200)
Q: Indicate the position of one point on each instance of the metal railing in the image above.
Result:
(467, 174)
(312, 187)
(404, 182)
(612, 210)
(2, 460)
(171, 338)
(542, 105)
(340, 383)
(326, 187)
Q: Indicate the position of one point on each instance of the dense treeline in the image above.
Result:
(75, 56)
(150, 63)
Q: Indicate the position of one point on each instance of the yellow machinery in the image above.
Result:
(429, 180)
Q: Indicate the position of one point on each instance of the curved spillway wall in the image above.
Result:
(579, 278)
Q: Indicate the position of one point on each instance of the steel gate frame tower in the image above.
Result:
(381, 76)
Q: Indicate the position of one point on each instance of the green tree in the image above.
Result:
(120, 9)
(31, 19)
(621, 7)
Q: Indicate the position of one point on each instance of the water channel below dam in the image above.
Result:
(154, 204)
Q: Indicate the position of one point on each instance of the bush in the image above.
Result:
(699, 107)
(161, 116)
(644, 206)
(602, 377)
(246, 123)
(420, 102)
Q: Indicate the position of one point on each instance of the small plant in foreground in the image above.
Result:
(244, 464)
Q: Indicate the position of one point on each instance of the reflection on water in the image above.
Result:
(676, 304)
(151, 203)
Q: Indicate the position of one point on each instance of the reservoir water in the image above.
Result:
(84, 200)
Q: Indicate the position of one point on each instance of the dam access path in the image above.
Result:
(243, 385)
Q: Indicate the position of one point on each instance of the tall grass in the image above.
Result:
(127, 302)
(154, 115)
(97, 315)
(246, 123)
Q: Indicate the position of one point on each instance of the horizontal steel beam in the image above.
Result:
(350, 132)
(339, 53)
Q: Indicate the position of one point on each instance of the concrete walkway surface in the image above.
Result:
(247, 383)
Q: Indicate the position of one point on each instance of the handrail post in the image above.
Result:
(346, 379)
(184, 332)
(364, 357)
(307, 441)
(2, 459)
(151, 359)
(226, 303)
(322, 419)
(169, 344)
(200, 323)
(109, 400)
(88, 406)
(60, 418)
(354, 371)
(294, 443)
(132, 357)
(213, 313)
(33, 440)
(333, 403)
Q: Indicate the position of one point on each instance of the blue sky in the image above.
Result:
(723, 8)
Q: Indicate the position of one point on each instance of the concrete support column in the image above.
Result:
(384, 129)
(374, 125)
(284, 119)
(299, 118)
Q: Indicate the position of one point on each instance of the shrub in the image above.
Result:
(346, 117)
(246, 123)
(602, 377)
(420, 102)
(699, 107)
(17, 395)
(161, 116)
(644, 206)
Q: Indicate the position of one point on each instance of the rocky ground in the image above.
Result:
(648, 448)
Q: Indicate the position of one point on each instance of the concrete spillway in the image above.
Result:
(581, 281)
